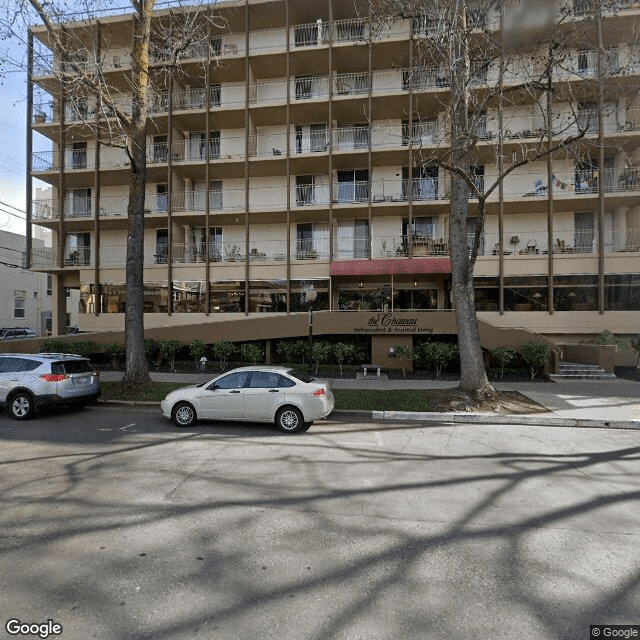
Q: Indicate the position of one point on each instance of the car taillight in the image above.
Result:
(319, 392)
(53, 377)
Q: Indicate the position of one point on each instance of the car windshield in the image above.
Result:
(299, 375)
(71, 366)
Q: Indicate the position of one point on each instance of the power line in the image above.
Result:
(10, 213)
(6, 204)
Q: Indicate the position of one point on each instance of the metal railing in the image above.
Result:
(78, 257)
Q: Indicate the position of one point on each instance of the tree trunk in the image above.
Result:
(473, 376)
(474, 383)
(136, 370)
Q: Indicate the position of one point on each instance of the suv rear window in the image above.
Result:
(71, 366)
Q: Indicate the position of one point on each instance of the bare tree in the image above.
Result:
(120, 117)
(471, 63)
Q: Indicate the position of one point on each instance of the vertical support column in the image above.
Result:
(410, 168)
(500, 170)
(550, 304)
(246, 158)
(96, 180)
(369, 154)
(601, 175)
(207, 174)
(59, 306)
(29, 150)
(288, 212)
(170, 195)
(61, 162)
(330, 147)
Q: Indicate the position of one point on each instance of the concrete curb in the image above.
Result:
(499, 418)
(455, 418)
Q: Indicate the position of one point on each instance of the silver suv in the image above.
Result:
(30, 381)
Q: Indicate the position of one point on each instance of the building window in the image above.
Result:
(49, 284)
(79, 203)
(160, 147)
(79, 155)
(19, 303)
(198, 145)
(162, 197)
(162, 246)
(353, 185)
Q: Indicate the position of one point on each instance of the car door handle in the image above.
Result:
(274, 390)
(234, 391)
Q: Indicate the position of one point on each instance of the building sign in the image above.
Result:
(386, 322)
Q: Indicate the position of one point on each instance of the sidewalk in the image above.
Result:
(582, 403)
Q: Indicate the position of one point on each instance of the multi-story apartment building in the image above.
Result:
(282, 159)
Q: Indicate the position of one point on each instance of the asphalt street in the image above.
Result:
(117, 525)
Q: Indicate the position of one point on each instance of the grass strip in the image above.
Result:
(355, 399)
(377, 400)
(155, 393)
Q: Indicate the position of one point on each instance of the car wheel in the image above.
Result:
(290, 420)
(184, 415)
(21, 406)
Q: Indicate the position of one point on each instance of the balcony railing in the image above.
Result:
(352, 84)
(566, 242)
(310, 87)
(78, 257)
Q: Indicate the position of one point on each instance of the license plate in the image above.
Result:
(82, 380)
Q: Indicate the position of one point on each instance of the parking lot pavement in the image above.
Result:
(117, 525)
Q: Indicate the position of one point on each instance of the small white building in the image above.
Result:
(25, 296)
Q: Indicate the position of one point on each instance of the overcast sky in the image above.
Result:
(12, 150)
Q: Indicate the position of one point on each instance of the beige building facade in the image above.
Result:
(282, 160)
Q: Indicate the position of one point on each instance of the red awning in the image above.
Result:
(391, 266)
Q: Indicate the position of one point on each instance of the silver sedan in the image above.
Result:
(289, 398)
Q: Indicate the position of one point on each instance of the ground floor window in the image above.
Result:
(530, 293)
(622, 292)
(575, 293)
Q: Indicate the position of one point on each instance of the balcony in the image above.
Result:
(567, 242)
(78, 257)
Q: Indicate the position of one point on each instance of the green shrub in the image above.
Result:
(437, 354)
(321, 352)
(342, 352)
(608, 338)
(536, 355)
(168, 351)
(197, 349)
(442, 353)
(635, 345)
(53, 346)
(115, 352)
(223, 350)
(406, 353)
(250, 352)
(287, 349)
(82, 348)
(504, 355)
